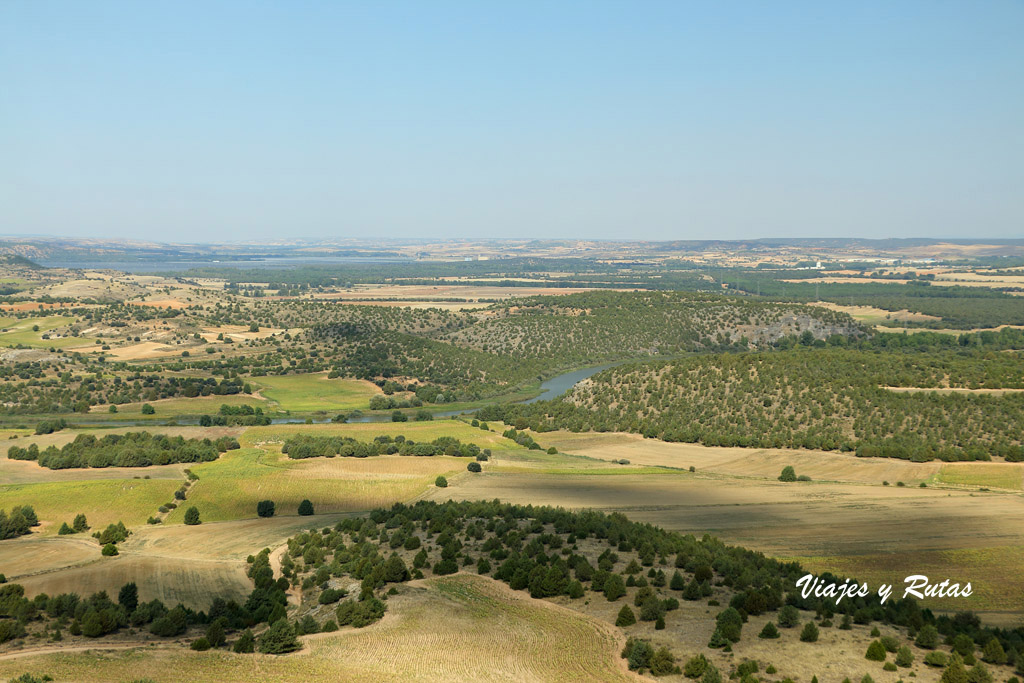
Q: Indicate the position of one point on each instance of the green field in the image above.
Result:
(104, 501)
(19, 331)
(230, 487)
(314, 392)
(989, 475)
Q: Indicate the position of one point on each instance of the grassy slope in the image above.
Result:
(311, 392)
(20, 332)
(103, 501)
(487, 633)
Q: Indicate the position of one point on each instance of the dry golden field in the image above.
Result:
(487, 633)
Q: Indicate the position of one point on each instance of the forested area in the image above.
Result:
(594, 326)
(67, 392)
(958, 307)
(828, 398)
(134, 449)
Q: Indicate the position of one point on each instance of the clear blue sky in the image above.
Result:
(186, 121)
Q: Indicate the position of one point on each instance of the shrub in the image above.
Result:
(788, 474)
(810, 633)
(927, 637)
(474, 467)
(789, 616)
(890, 643)
(936, 658)
(696, 666)
(215, 632)
(876, 651)
(200, 644)
(626, 617)
(904, 657)
(306, 508)
(265, 508)
(663, 662)
(192, 516)
(109, 550)
(769, 631)
(979, 674)
(148, 409)
(279, 639)
(614, 588)
(993, 652)
(330, 596)
(441, 482)
(711, 675)
(245, 643)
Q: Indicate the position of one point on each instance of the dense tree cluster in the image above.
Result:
(70, 392)
(303, 446)
(134, 449)
(18, 523)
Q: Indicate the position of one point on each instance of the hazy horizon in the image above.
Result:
(231, 122)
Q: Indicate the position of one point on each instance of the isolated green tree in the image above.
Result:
(192, 516)
(128, 597)
(904, 657)
(441, 482)
(306, 508)
(769, 631)
(265, 508)
(788, 474)
(789, 616)
(876, 652)
(810, 633)
(80, 524)
(626, 617)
